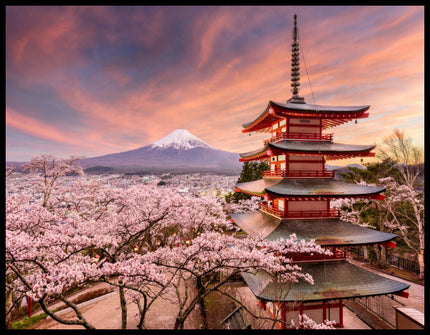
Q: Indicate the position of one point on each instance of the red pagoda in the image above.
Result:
(297, 191)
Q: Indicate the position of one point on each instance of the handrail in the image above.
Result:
(301, 173)
(300, 136)
(274, 210)
(336, 254)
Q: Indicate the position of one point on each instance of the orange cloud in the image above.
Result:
(33, 127)
(215, 86)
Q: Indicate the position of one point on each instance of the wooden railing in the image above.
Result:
(300, 136)
(274, 210)
(298, 174)
(313, 214)
(305, 257)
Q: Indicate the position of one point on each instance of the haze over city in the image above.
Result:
(98, 80)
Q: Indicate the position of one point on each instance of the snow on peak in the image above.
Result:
(180, 139)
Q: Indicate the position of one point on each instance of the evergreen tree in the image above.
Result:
(251, 171)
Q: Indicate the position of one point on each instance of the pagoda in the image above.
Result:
(296, 194)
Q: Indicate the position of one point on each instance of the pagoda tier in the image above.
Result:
(330, 116)
(297, 192)
(308, 188)
(325, 232)
(335, 280)
(329, 150)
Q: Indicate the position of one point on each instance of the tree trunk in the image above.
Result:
(420, 259)
(142, 312)
(8, 305)
(383, 258)
(365, 253)
(123, 307)
(179, 323)
(201, 302)
(377, 253)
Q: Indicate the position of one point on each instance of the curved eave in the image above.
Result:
(332, 115)
(257, 194)
(259, 154)
(323, 188)
(257, 187)
(331, 111)
(332, 150)
(332, 280)
(262, 123)
(309, 188)
(325, 232)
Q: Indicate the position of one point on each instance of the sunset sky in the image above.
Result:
(97, 80)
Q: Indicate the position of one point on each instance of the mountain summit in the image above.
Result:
(180, 139)
(178, 151)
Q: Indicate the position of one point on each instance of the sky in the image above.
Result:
(96, 80)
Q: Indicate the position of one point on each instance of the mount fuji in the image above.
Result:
(178, 151)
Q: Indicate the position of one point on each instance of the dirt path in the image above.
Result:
(105, 313)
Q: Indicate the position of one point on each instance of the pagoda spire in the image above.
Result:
(295, 67)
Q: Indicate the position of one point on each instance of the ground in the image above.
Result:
(103, 312)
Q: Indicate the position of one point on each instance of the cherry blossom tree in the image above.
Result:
(213, 258)
(50, 169)
(143, 240)
(404, 215)
(409, 161)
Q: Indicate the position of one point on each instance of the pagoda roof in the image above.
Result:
(330, 149)
(332, 280)
(308, 188)
(331, 115)
(256, 154)
(325, 232)
(325, 148)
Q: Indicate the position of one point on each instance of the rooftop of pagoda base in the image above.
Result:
(332, 280)
(325, 232)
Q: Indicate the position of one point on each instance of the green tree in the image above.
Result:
(400, 168)
(251, 171)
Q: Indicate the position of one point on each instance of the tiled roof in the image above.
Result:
(321, 108)
(308, 188)
(254, 152)
(265, 119)
(326, 232)
(320, 147)
(332, 280)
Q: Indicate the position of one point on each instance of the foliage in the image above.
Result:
(29, 321)
(144, 240)
(400, 170)
(372, 173)
(250, 171)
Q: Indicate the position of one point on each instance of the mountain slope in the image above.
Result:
(178, 150)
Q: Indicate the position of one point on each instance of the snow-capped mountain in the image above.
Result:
(180, 139)
(179, 150)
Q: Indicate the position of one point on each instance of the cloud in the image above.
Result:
(124, 77)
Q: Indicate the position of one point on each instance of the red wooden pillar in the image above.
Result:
(261, 304)
(29, 306)
(301, 313)
(324, 310)
(283, 311)
(341, 304)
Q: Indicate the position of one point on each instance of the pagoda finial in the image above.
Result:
(295, 67)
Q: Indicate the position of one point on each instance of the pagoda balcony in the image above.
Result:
(298, 174)
(275, 211)
(337, 253)
(300, 136)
